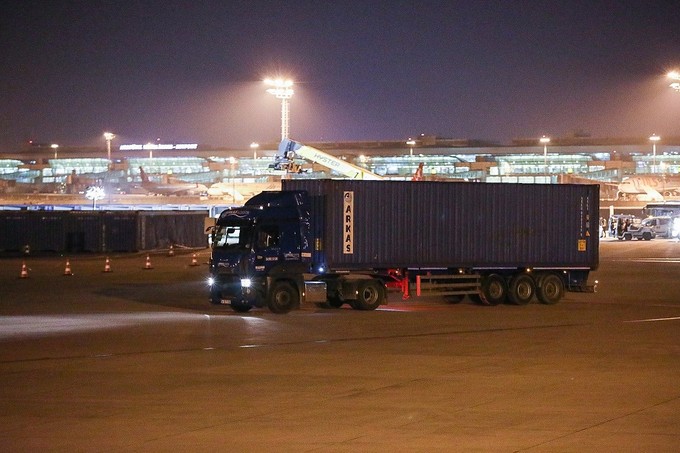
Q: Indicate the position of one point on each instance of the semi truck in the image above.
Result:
(335, 242)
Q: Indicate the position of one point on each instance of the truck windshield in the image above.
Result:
(236, 237)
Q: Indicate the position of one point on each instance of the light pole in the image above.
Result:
(545, 140)
(55, 147)
(254, 147)
(232, 161)
(654, 138)
(411, 143)
(108, 136)
(282, 89)
(675, 80)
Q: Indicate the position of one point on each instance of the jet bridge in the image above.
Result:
(289, 150)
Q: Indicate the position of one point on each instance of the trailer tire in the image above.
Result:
(370, 295)
(647, 236)
(283, 298)
(551, 290)
(494, 290)
(522, 289)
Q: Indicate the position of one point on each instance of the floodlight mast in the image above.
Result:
(282, 89)
(108, 136)
(544, 141)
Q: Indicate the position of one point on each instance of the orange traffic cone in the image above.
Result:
(194, 261)
(107, 265)
(67, 269)
(171, 251)
(24, 270)
(147, 265)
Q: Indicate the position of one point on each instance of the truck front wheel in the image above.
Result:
(283, 298)
(369, 295)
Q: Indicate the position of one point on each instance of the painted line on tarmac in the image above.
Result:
(675, 318)
(647, 260)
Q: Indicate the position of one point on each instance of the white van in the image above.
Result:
(661, 225)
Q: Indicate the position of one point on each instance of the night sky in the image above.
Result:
(192, 71)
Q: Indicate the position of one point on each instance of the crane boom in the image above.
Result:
(289, 149)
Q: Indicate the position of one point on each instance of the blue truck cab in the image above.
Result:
(258, 246)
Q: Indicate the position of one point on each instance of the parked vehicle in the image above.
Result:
(336, 242)
(638, 229)
(661, 225)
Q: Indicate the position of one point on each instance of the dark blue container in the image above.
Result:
(426, 224)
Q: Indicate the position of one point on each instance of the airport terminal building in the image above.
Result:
(52, 168)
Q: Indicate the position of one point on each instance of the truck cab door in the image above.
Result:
(267, 247)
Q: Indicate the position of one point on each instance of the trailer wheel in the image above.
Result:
(494, 290)
(647, 236)
(522, 289)
(369, 296)
(551, 290)
(283, 298)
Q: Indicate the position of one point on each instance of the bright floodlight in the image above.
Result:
(282, 89)
(675, 77)
(544, 140)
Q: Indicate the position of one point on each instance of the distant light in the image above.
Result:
(675, 77)
(411, 142)
(544, 140)
(655, 138)
(245, 282)
(109, 136)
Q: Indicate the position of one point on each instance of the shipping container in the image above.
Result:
(443, 224)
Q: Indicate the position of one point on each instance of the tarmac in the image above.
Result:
(137, 360)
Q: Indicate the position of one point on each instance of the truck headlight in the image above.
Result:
(211, 281)
(245, 283)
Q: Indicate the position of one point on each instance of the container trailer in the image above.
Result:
(336, 242)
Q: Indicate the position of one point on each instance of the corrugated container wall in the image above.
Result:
(453, 224)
